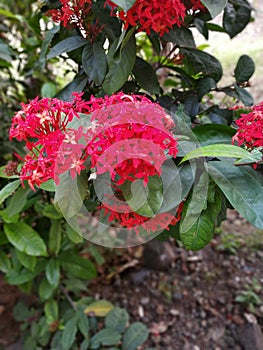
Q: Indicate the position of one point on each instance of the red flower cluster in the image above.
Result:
(77, 13)
(157, 15)
(250, 128)
(42, 124)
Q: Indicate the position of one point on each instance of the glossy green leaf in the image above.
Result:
(144, 199)
(120, 65)
(52, 271)
(146, 76)
(5, 264)
(51, 212)
(219, 150)
(17, 202)
(67, 45)
(28, 261)
(73, 235)
(45, 289)
(244, 96)
(77, 266)
(242, 186)
(105, 337)
(181, 36)
(244, 70)
(124, 4)
(55, 236)
(215, 7)
(48, 186)
(236, 17)
(134, 336)
(209, 134)
(51, 311)
(8, 189)
(25, 239)
(83, 324)
(197, 203)
(203, 63)
(94, 62)
(69, 334)
(76, 85)
(117, 319)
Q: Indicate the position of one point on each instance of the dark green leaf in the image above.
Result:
(196, 204)
(69, 334)
(146, 76)
(8, 190)
(105, 337)
(245, 68)
(204, 86)
(244, 96)
(28, 261)
(77, 266)
(120, 65)
(51, 311)
(55, 236)
(77, 85)
(209, 134)
(134, 336)
(242, 186)
(181, 36)
(83, 323)
(17, 202)
(117, 319)
(215, 7)
(25, 239)
(235, 19)
(94, 62)
(45, 45)
(51, 212)
(45, 289)
(73, 235)
(5, 264)
(202, 62)
(53, 272)
(67, 45)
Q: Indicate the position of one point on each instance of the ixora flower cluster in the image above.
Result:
(250, 128)
(128, 137)
(148, 15)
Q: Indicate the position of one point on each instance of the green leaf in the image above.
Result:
(83, 324)
(53, 272)
(94, 62)
(204, 86)
(209, 134)
(242, 186)
(77, 85)
(17, 202)
(120, 65)
(181, 36)
(105, 337)
(244, 96)
(69, 334)
(124, 4)
(5, 264)
(203, 63)
(134, 336)
(25, 239)
(48, 90)
(236, 18)
(219, 150)
(8, 190)
(215, 7)
(196, 205)
(67, 45)
(28, 261)
(99, 308)
(51, 212)
(146, 76)
(45, 289)
(144, 200)
(49, 35)
(77, 266)
(17, 278)
(51, 311)
(73, 235)
(117, 319)
(48, 186)
(244, 70)
(55, 236)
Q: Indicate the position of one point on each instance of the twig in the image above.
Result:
(65, 292)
